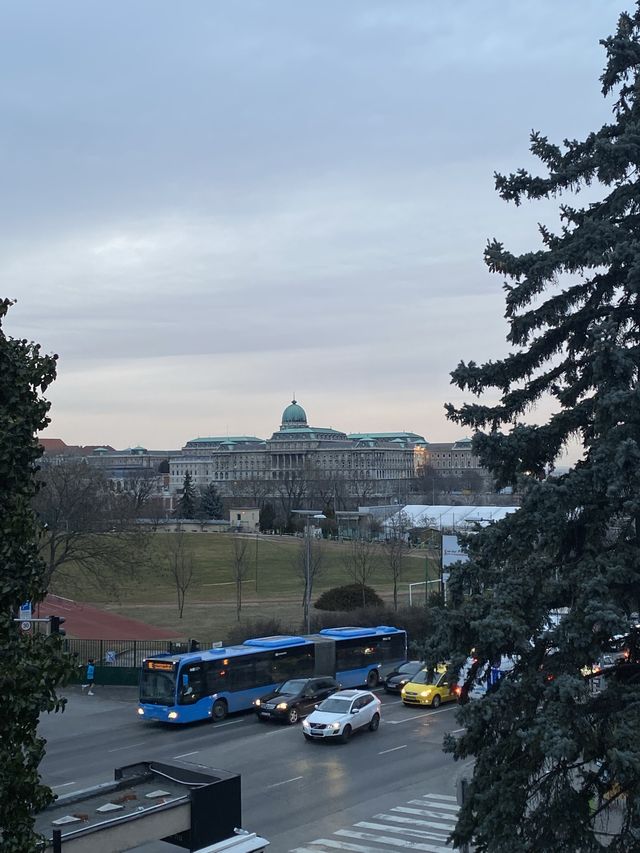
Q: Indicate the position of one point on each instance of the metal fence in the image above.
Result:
(118, 661)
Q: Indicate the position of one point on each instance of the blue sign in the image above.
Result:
(25, 610)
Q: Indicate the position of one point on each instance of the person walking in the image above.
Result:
(90, 676)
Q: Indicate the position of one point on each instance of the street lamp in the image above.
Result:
(308, 515)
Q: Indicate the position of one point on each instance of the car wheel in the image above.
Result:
(436, 701)
(293, 716)
(375, 722)
(346, 733)
(219, 710)
(373, 678)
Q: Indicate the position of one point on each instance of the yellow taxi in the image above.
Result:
(429, 687)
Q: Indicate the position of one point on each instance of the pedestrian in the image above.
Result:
(90, 676)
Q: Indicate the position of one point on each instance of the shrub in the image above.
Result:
(257, 628)
(416, 621)
(348, 597)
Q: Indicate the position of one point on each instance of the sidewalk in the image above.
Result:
(112, 692)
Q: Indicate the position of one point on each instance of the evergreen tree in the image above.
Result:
(553, 757)
(267, 517)
(31, 665)
(187, 503)
(210, 505)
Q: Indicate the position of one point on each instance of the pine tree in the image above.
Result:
(549, 750)
(31, 665)
(187, 503)
(210, 505)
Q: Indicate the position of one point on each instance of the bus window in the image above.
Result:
(191, 684)
(241, 674)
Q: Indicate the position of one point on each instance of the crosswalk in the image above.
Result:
(423, 824)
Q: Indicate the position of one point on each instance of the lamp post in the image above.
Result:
(308, 514)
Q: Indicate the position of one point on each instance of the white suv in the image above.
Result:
(341, 714)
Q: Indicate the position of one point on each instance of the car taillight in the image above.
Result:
(457, 690)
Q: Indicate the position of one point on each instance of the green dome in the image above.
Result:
(294, 415)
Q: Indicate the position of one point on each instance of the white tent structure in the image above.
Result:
(446, 517)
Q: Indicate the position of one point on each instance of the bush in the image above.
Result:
(348, 597)
(416, 621)
(258, 628)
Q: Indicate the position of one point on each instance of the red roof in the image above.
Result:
(85, 622)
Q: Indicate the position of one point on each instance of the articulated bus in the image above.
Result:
(210, 684)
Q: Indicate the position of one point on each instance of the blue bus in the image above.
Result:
(183, 688)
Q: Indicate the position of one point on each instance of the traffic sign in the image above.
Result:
(25, 626)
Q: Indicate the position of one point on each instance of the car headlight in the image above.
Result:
(141, 711)
(306, 725)
(425, 693)
(173, 715)
(334, 725)
(402, 682)
(282, 706)
(257, 703)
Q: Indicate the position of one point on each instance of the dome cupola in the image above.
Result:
(293, 416)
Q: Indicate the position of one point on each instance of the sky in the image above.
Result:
(208, 207)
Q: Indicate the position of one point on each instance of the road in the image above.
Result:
(295, 793)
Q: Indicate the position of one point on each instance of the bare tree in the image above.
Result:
(85, 524)
(308, 565)
(240, 567)
(292, 492)
(359, 560)
(395, 548)
(139, 486)
(179, 561)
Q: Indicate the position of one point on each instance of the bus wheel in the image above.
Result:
(373, 678)
(219, 710)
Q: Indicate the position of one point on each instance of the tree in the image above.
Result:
(267, 517)
(240, 567)
(187, 502)
(394, 550)
(311, 550)
(32, 666)
(359, 560)
(546, 747)
(210, 505)
(86, 526)
(179, 562)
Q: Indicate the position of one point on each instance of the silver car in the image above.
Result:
(342, 714)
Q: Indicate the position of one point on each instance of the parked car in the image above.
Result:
(397, 678)
(295, 698)
(342, 714)
(429, 687)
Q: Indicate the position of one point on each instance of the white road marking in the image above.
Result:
(413, 833)
(285, 782)
(184, 754)
(385, 751)
(394, 842)
(230, 723)
(417, 716)
(447, 797)
(338, 845)
(131, 746)
(457, 731)
(64, 785)
(413, 821)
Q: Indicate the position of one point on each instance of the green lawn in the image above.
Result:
(150, 594)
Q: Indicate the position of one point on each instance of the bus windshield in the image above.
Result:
(158, 688)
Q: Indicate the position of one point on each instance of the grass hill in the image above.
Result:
(273, 587)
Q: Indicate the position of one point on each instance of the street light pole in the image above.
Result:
(308, 514)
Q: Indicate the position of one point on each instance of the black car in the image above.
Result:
(396, 680)
(295, 698)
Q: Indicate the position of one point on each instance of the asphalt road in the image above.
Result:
(294, 792)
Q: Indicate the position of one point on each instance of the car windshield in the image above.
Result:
(408, 668)
(335, 706)
(426, 676)
(294, 685)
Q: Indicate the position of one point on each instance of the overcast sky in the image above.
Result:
(208, 206)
